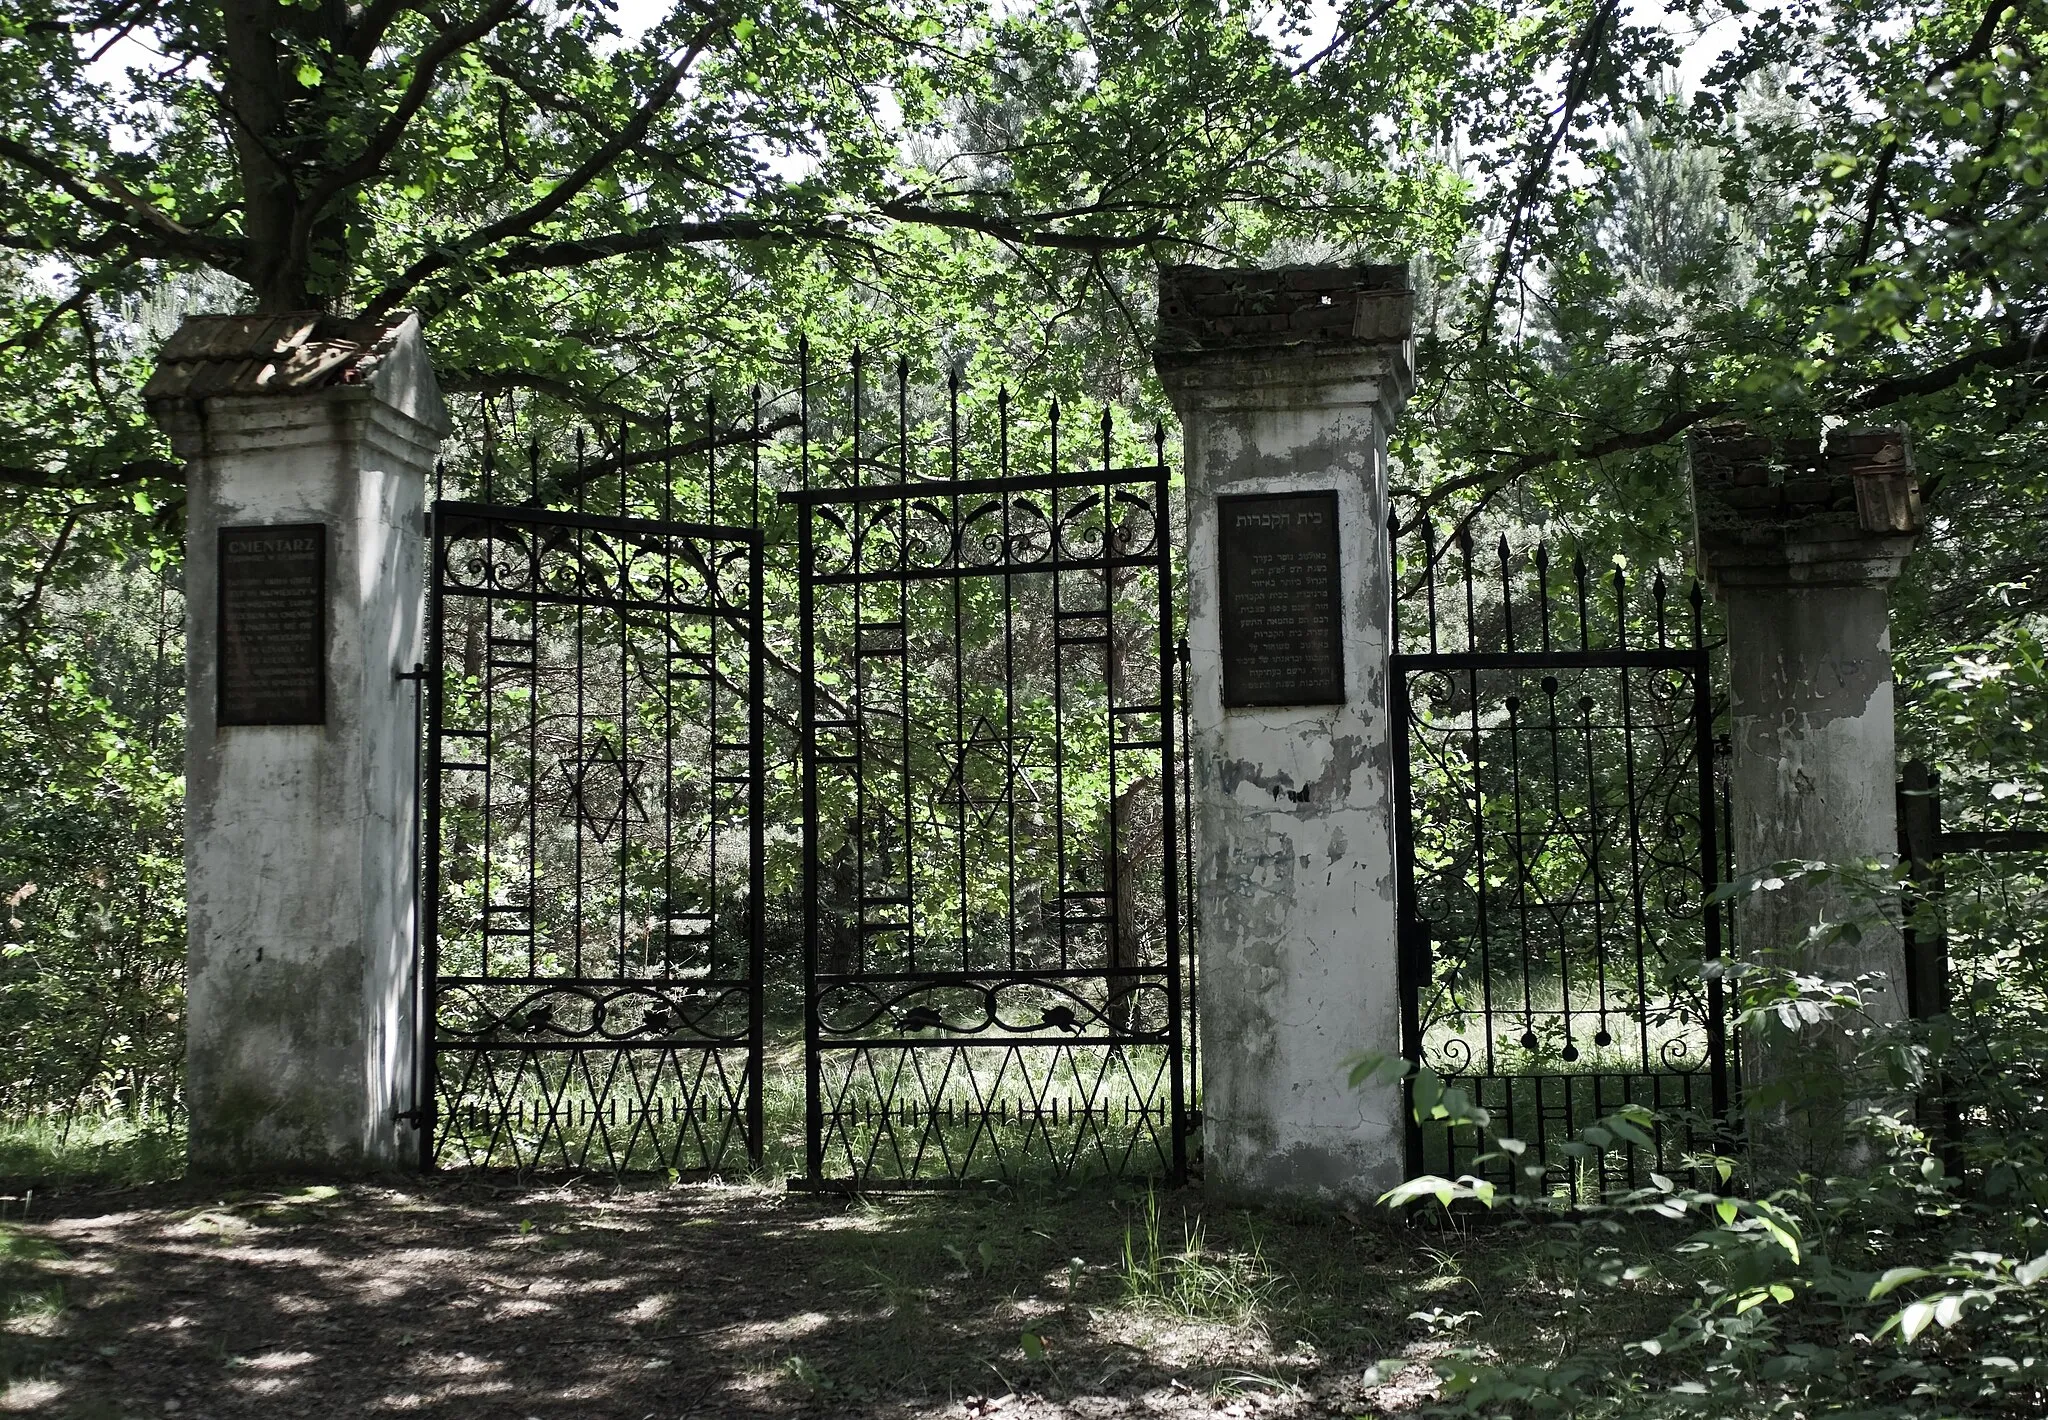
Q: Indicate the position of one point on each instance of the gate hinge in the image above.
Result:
(415, 1116)
(418, 672)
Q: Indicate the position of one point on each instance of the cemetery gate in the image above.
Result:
(1558, 841)
(986, 750)
(994, 950)
(592, 919)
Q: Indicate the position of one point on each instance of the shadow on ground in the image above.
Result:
(473, 1297)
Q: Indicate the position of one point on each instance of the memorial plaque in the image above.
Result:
(1282, 600)
(273, 625)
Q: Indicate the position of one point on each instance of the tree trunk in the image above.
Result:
(258, 117)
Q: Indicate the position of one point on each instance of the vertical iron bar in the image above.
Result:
(1601, 1036)
(1478, 800)
(427, 1061)
(1635, 826)
(576, 898)
(1560, 823)
(757, 815)
(903, 655)
(1429, 557)
(1059, 712)
(1169, 869)
(1710, 855)
(807, 714)
(855, 512)
(670, 644)
(712, 563)
(1411, 956)
(618, 542)
(958, 536)
(1112, 878)
(1009, 669)
(1521, 862)
(803, 411)
(1190, 922)
(1507, 595)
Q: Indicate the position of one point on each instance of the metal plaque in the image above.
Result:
(273, 625)
(1282, 601)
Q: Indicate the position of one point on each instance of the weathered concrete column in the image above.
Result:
(308, 443)
(1287, 382)
(1799, 546)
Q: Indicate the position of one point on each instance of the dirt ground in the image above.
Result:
(472, 1297)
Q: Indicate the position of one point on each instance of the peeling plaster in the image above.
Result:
(1294, 807)
(298, 838)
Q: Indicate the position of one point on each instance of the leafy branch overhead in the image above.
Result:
(1837, 213)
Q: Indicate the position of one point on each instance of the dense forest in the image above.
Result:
(1623, 223)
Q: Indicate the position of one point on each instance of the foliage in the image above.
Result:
(1892, 1288)
(91, 967)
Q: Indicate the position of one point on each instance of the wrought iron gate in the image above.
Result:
(994, 912)
(593, 890)
(1558, 849)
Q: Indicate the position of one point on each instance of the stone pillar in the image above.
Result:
(308, 444)
(1799, 545)
(1287, 382)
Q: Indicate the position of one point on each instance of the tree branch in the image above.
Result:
(426, 75)
(169, 239)
(1576, 88)
(521, 222)
(39, 332)
(2005, 356)
(1013, 230)
(583, 251)
(371, 26)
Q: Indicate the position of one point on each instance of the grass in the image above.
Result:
(111, 1150)
(1194, 1281)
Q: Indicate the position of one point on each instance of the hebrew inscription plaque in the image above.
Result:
(1282, 600)
(273, 625)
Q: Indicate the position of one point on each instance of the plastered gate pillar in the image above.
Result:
(1286, 382)
(308, 442)
(1800, 544)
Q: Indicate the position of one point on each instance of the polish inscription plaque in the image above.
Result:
(1282, 601)
(273, 625)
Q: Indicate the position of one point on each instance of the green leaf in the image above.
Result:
(1894, 1278)
(1034, 1346)
(1915, 1319)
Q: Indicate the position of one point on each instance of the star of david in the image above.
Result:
(994, 748)
(604, 788)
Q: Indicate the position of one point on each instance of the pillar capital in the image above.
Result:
(233, 384)
(1290, 336)
(1788, 511)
